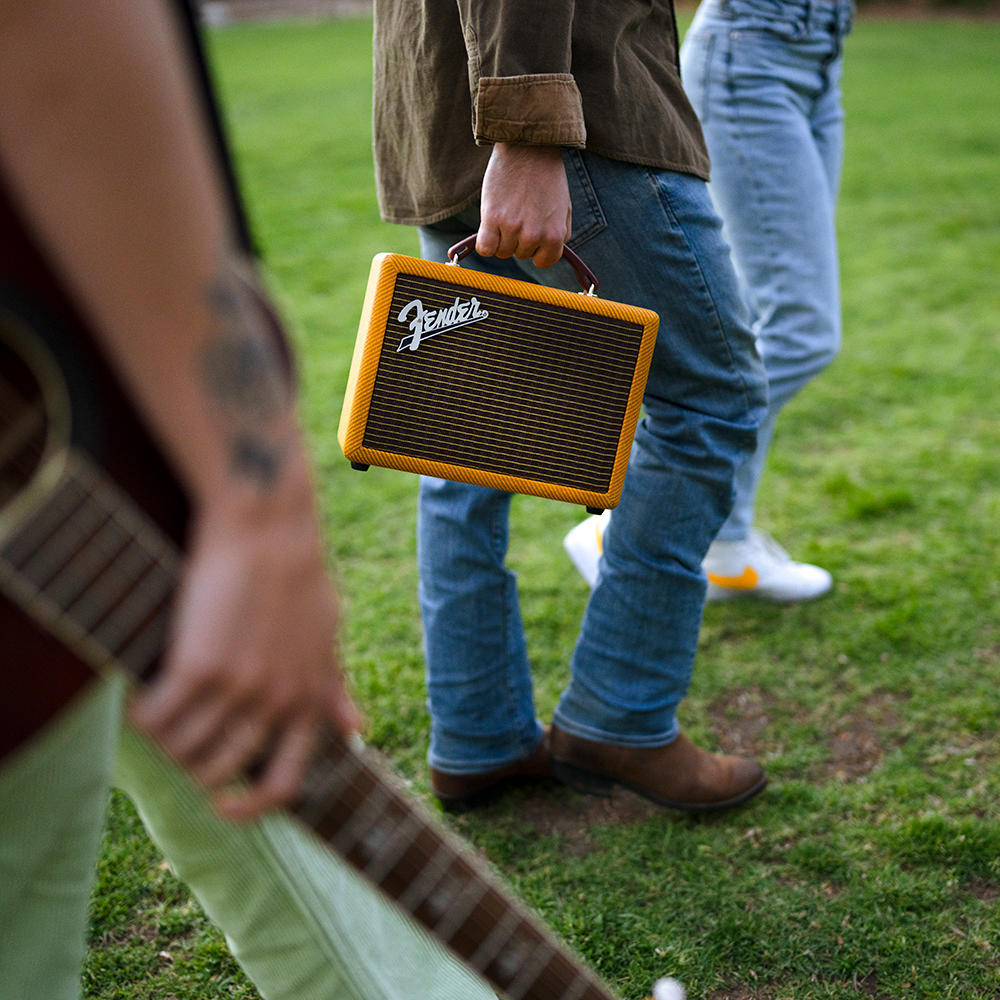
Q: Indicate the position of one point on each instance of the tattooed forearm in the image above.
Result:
(254, 458)
(242, 375)
(243, 372)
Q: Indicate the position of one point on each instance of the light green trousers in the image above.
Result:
(53, 796)
(302, 924)
(298, 920)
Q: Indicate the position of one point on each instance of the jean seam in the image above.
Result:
(497, 532)
(705, 289)
(598, 223)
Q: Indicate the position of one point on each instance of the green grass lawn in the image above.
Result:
(871, 866)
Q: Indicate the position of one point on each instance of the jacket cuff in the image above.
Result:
(540, 109)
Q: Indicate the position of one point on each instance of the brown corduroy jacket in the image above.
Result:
(452, 77)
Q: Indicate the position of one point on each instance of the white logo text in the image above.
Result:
(427, 323)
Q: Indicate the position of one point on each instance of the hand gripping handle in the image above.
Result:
(588, 281)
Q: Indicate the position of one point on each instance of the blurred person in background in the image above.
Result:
(764, 77)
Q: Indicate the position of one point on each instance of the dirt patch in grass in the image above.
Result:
(740, 718)
(574, 817)
(856, 742)
(864, 986)
(859, 739)
(988, 892)
(743, 993)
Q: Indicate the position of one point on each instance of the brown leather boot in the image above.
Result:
(464, 791)
(677, 776)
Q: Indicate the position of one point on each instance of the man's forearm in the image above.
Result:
(104, 143)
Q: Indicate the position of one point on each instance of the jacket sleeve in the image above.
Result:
(520, 72)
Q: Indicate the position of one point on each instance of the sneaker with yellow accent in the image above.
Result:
(584, 545)
(757, 566)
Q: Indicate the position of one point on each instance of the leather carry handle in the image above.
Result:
(586, 277)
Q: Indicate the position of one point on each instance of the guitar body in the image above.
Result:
(43, 674)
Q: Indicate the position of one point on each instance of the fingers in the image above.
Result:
(340, 708)
(280, 777)
(525, 208)
(509, 240)
(223, 736)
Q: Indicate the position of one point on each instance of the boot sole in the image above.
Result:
(594, 783)
(458, 804)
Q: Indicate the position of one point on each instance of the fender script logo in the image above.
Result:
(430, 322)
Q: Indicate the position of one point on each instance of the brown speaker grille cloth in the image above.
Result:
(534, 390)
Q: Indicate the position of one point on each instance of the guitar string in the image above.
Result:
(131, 628)
(84, 538)
(86, 566)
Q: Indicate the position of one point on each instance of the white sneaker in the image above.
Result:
(757, 566)
(583, 543)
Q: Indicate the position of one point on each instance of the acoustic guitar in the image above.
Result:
(92, 530)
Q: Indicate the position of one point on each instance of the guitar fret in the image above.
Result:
(117, 631)
(458, 909)
(144, 535)
(529, 969)
(489, 948)
(97, 554)
(109, 588)
(363, 828)
(419, 889)
(145, 647)
(53, 512)
(50, 556)
(322, 785)
(402, 839)
(49, 615)
(580, 985)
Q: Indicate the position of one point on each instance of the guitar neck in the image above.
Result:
(93, 571)
(353, 802)
(90, 568)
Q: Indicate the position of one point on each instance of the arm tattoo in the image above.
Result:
(254, 458)
(242, 370)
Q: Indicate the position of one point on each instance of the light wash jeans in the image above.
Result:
(653, 239)
(764, 78)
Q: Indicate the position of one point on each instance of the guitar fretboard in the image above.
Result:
(357, 806)
(93, 571)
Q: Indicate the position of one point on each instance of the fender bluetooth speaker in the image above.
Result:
(486, 380)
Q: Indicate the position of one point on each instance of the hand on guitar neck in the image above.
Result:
(250, 666)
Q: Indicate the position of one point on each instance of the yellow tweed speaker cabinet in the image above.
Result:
(486, 380)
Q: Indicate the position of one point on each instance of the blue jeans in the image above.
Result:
(764, 78)
(653, 239)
